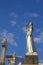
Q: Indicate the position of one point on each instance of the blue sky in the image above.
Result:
(14, 14)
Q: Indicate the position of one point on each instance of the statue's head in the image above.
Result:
(30, 24)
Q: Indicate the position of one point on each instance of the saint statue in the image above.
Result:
(29, 30)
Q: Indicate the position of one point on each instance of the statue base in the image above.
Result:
(31, 58)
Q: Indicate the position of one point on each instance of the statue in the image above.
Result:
(29, 30)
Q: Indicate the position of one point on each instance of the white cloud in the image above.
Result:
(41, 61)
(38, 30)
(13, 23)
(39, 38)
(13, 15)
(35, 15)
(37, 1)
(40, 49)
(23, 29)
(9, 36)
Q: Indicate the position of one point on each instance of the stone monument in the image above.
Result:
(31, 56)
(11, 59)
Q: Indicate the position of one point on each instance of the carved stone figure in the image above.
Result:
(29, 30)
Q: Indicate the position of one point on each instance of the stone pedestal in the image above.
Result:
(31, 58)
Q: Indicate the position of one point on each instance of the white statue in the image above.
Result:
(29, 30)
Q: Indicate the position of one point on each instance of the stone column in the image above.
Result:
(3, 50)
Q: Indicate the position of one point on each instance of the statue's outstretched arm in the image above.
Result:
(26, 28)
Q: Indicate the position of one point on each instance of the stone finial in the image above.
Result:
(4, 40)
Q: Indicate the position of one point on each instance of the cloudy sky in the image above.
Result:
(14, 14)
